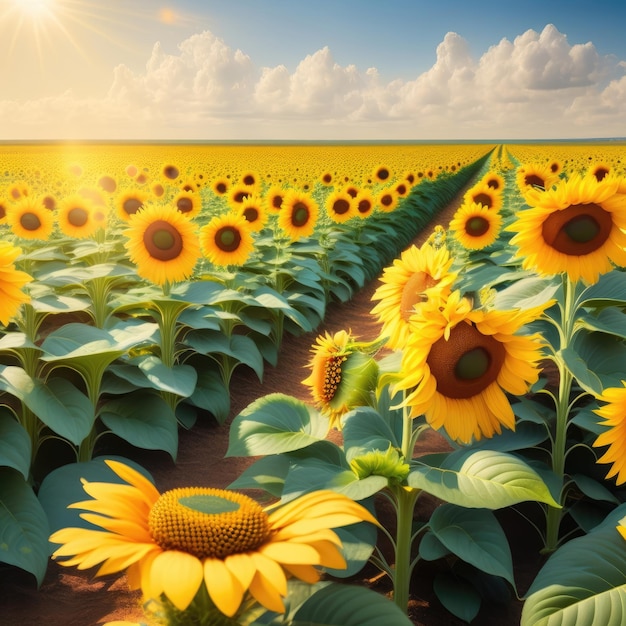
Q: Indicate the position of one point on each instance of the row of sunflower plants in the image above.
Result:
(506, 335)
(128, 334)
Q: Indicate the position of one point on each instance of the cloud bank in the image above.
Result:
(536, 86)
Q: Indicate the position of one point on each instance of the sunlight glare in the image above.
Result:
(35, 8)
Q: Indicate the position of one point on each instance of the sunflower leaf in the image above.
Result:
(15, 445)
(482, 479)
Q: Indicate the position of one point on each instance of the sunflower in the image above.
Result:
(162, 243)
(19, 190)
(577, 226)
(459, 363)
(237, 194)
(250, 178)
(600, 170)
(407, 283)
(485, 195)
(129, 202)
(4, 209)
(387, 200)
(535, 175)
(364, 202)
(381, 173)
(402, 188)
(170, 171)
(253, 212)
(107, 183)
(29, 219)
(614, 414)
(187, 203)
(76, 217)
(227, 240)
(340, 206)
(188, 538)
(298, 214)
(327, 178)
(12, 282)
(343, 375)
(220, 186)
(274, 198)
(475, 226)
(494, 181)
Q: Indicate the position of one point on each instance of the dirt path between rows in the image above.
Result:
(71, 598)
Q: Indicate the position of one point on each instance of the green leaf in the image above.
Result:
(273, 424)
(476, 537)
(431, 549)
(24, 529)
(526, 293)
(593, 489)
(577, 365)
(349, 605)
(267, 473)
(144, 420)
(482, 479)
(610, 290)
(365, 429)
(358, 542)
(211, 394)
(179, 379)
(15, 445)
(610, 320)
(583, 583)
(457, 595)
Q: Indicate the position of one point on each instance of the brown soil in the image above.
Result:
(72, 598)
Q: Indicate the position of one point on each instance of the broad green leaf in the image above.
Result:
(179, 379)
(476, 537)
(593, 489)
(483, 479)
(577, 365)
(610, 290)
(457, 595)
(16, 340)
(210, 394)
(366, 429)
(63, 486)
(349, 605)
(267, 473)
(526, 293)
(24, 529)
(15, 445)
(583, 583)
(273, 424)
(610, 320)
(358, 542)
(57, 303)
(430, 548)
(145, 420)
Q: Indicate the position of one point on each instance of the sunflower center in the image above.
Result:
(467, 363)
(162, 241)
(484, 199)
(227, 239)
(277, 201)
(300, 214)
(476, 226)
(221, 187)
(600, 173)
(208, 523)
(533, 180)
(332, 377)
(413, 292)
(171, 172)
(77, 216)
(251, 214)
(577, 230)
(184, 205)
(30, 221)
(364, 206)
(341, 206)
(132, 205)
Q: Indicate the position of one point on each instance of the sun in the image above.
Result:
(35, 9)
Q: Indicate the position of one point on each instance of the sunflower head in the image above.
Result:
(340, 206)
(12, 282)
(187, 203)
(387, 200)
(76, 217)
(227, 240)
(220, 186)
(29, 219)
(130, 202)
(252, 210)
(475, 226)
(298, 214)
(535, 176)
(613, 412)
(364, 202)
(381, 173)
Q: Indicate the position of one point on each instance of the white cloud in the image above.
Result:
(538, 85)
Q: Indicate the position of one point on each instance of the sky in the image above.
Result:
(300, 70)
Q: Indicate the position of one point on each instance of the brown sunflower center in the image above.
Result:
(577, 230)
(184, 205)
(467, 363)
(364, 206)
(77, 216)
(171, 172)
(484, 198)
(251, 214)
(382, 173)
(600, 173)
(332, 377)
(341, 206)
(227, 238)
(476, 226)
(534, 180)
(493, 184)
(208, 523)
(132, 205)
(386, 200)
(249, 180)
(30, 221)
(221, 187)
(277, 201)
(413, 292)
(299, 214)
(162, 241)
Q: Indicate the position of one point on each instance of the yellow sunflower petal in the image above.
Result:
(179, 575)
(223, 586)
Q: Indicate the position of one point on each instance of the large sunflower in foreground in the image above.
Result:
(29, 219)
(614, 414)
(162, 243)
(475, 226)
(12, 281)
(227, 240)
(177, 542)
(406, 284)
(459, 363)
(298, 214)
(343, 375)
(577, 227)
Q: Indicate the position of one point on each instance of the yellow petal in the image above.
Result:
(179, 575)
(290, 552)
(223, 587)
(135, 479)
(242, 567)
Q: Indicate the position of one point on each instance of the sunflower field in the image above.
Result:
(136, 278)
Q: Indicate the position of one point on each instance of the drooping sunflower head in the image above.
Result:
(343, 375)
(613, 412)
(475, 226)
(408, 283)
(12, 282)
(29, 219)
(76, 217)
(252, 210)
(298, 214)
(227, 240)
(188, 203)
(459, 364)
(577, 227)
(340, 206)
(162, 243)
(129, 202)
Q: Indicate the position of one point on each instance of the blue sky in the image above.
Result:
(286, 69)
